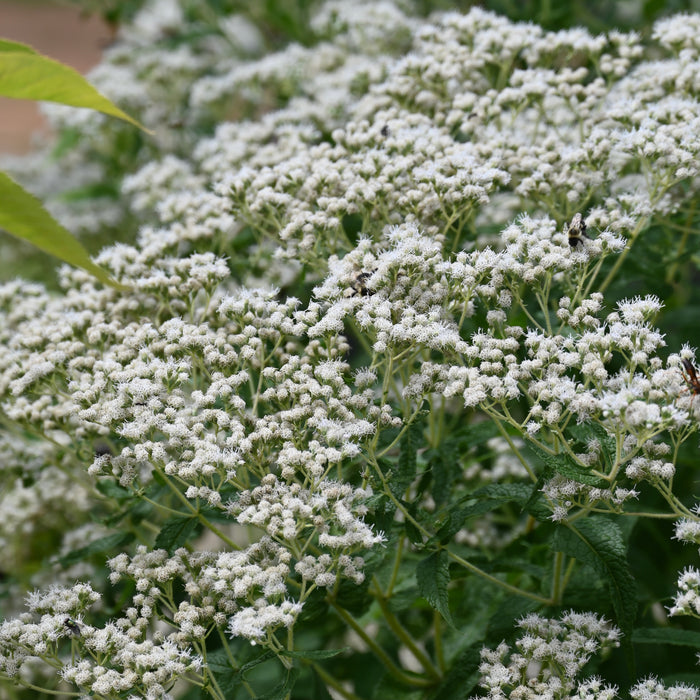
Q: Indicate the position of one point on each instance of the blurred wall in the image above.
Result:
(58, 31)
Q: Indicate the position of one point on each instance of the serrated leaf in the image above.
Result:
(219, 666)
(111, 489)
(26, 74)
(103, 544)
(505, 493)
(23, 216)
(459, 682)
(433, 576)
(478, 433)
(565, 465)
(667, 635)
(455, 518)
(415, 536)
(598, 542)
(484, 500)
(354, 598)
(316, 654)
(587, 431)
(218, 661)
(404, 472)
(228, 678)
(265, 656)
(444, 467)
(282, 691)
(175, 532)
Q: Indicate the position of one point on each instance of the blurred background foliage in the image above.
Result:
(289, 19)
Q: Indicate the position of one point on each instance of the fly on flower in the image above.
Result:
(576, 230)
(72, 626)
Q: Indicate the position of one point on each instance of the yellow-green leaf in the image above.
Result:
(7, 45)
(23, 215)
(27, 75)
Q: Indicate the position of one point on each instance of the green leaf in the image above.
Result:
(456, 517)
(175, 532)
(390, 688)
(382, 510)
(565, 465)
(317, 654)
(444, 467)
(478, 433)
(111, 489)
(401, 477)
(667, 635)
(265, 656)
(25, 74)
(219, 666)
(598, 542)
(505, 493)
(413, 533)
(23, 215)
(283, 690)
(16, 46)
(482, 501)
(103, 544)
(587, 431)
(227, 677)
(433, 576)
(461, 678)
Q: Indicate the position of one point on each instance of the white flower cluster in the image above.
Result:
(247, 589)
(687, 599)
(356, 220)
(654, 689)
(330, 513)
(116, 659)
(550, 655)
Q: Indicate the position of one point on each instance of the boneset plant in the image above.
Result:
(377, 417)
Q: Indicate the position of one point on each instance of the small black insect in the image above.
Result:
(576, 230)
(385, 130)
(72, 626)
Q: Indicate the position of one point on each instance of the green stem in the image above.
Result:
(397, 565)
(381, 655)
(437, 640)
(515, 450)
(333, 682)
(210, 526)
(556, 578)
(502, 584)
(62, 693)
(621, 257)
(407, 424)
(474, 569)
(671, 272)
(401, 634)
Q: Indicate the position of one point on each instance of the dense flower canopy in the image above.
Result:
(369, 334)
